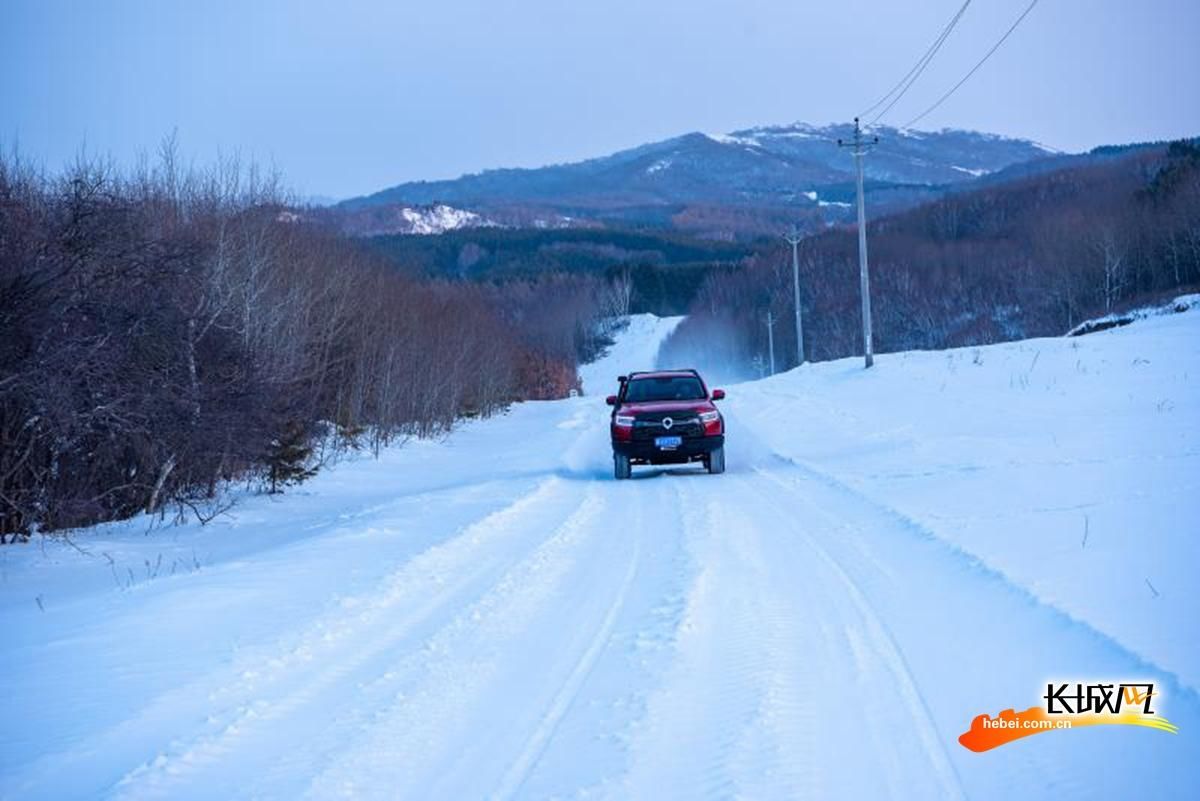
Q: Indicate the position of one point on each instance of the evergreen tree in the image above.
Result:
(287, 459)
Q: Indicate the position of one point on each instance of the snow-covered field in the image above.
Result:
(891, 553)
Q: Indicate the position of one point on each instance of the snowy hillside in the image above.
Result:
(427, 219)
(891, 553)
(439, 218)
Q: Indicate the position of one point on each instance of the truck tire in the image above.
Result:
(621, 467)
(716, 460)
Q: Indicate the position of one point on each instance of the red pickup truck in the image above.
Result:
(666, 417)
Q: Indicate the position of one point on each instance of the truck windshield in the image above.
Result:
(664, 388)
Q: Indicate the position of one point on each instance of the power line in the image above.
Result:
(919, 68)
(966, 77)
(911, 76)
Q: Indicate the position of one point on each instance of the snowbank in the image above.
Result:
(1180, 304)
(1070, 465)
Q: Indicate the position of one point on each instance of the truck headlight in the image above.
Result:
(710, 417)
(624, 420)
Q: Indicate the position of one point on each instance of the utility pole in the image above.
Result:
(771, 339)
(859, 148)
(793, 237)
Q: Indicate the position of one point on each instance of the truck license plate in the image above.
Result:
(667, 443)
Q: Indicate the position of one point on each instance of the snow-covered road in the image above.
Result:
(493, 617)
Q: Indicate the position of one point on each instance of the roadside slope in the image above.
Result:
(1065, 464)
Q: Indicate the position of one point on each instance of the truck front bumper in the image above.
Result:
(692, 449)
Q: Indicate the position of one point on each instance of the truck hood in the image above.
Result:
(667, 406)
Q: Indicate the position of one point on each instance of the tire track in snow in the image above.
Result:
(334, 647)
(414, 747)
(900, 520)
(755, 704)
(536, 744)
(589, 747)
(945, 595)
(732, 717)
(1002, 643)
(162, 722)
(880, 645)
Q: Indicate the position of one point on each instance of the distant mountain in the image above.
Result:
(721, 185)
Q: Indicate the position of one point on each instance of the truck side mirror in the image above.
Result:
(718, 394)
(611, 400)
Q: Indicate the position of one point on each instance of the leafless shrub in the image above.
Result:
(161, 328)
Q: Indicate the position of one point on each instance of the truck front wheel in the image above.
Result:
(716, 460)
(621, 467)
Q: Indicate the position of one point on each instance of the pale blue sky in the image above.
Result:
(350, 97)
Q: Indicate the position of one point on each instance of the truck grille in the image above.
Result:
(648, 426)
